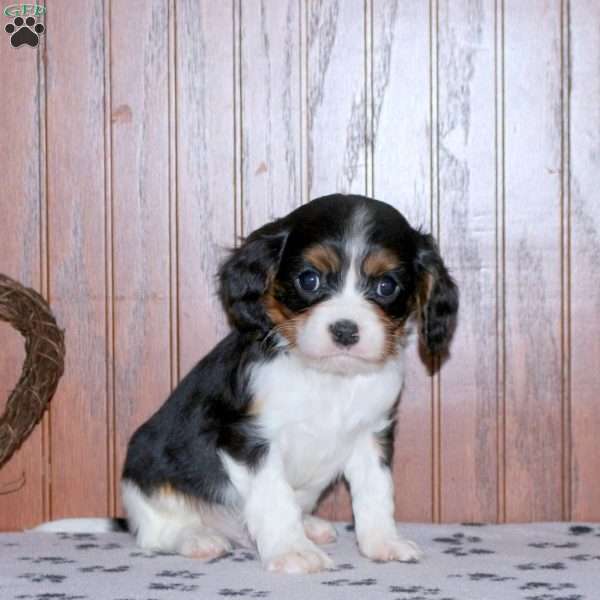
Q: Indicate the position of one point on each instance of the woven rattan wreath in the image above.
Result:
(29, 314)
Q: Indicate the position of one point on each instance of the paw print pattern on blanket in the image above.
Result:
(550, 561)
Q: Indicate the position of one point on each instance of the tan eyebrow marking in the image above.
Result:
(380, 262)
(323, 258)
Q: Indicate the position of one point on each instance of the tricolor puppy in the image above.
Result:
(302, 391)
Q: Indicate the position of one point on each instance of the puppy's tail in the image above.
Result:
(83, 526)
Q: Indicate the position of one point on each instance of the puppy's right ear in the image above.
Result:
(245, 276)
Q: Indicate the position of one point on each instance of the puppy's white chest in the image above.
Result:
(316, 417)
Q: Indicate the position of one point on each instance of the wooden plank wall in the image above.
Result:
(130, 169)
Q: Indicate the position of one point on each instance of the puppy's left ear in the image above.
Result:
(246, 275)
(437, 297)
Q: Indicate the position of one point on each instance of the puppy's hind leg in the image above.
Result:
(166, 522)
(202, 543)
(318, 530)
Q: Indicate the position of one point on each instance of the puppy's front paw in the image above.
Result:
(304, 559)
(395, 548)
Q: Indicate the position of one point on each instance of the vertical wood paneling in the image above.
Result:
(109, 278)
(436, 483)
(140, 195)
(467, 166)
(401, 173)
(565, 234)
(478, 119)
(76, 197)
(21, 479)
(585, 260)
(173, 204)
(533, 260)
(500, 260)
(336, 97)
(270, 112)
(205, 167)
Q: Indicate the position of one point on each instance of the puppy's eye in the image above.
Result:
(309, 281)
(386, 287)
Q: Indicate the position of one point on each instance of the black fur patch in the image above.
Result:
(207, 411)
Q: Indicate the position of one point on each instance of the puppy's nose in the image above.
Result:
(344, 332)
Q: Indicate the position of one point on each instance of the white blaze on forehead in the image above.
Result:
(355, 248)
(351, 277)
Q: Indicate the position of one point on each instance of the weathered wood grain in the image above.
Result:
(336, 90)
(584, 165)
(205, 168)
(140, 197)
(270, 111)
(76, 224)
(467, 204)
(533, 260)
(402, 177)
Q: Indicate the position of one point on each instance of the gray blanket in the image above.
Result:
(549, 561)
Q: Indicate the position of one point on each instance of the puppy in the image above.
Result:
(301, 392)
